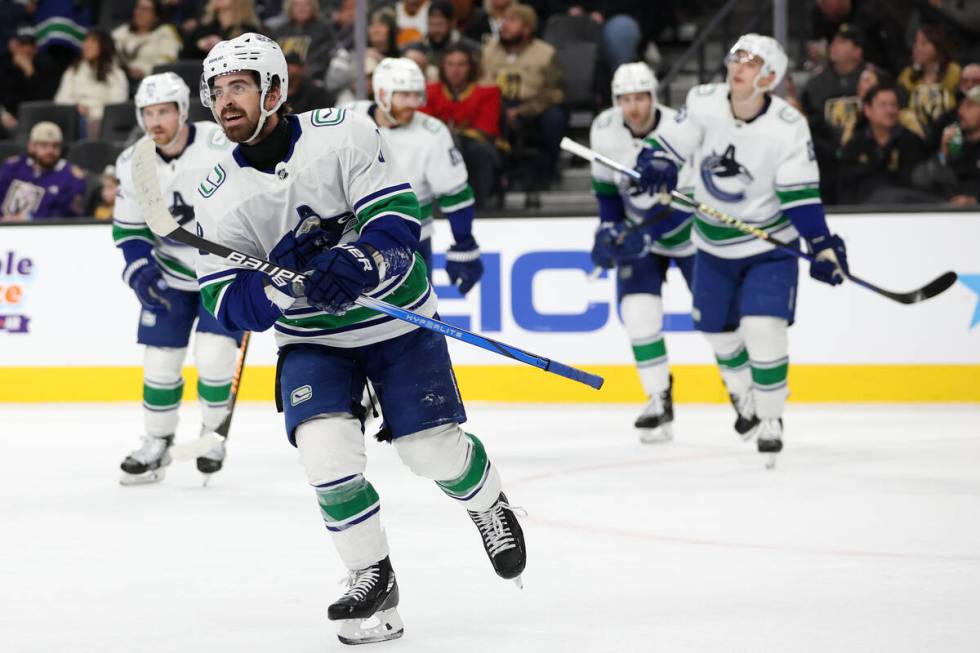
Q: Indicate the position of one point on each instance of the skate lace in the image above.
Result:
(745, 404)
(770, 429)
(151, 449)
(654, 407)
(360, 582)
(496, 534)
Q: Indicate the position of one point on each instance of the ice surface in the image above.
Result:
(866, 537)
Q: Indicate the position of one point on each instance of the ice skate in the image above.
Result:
(367, 611)
(746, 422)
(770, 440)
(503, 539)
(148, 463)
(655, 423)
(212, 461)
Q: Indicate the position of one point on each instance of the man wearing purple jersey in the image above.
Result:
(40, 184)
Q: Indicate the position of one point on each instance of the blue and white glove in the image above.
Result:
(616, 243)
(339, 276)
(299, 246)
(658, 173)
(153, 293)
(463, 265)
(830, 265)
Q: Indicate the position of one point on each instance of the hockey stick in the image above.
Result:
(208, 441)
(158, 218)
(931, 289)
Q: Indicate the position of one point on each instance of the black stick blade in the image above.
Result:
(940, 284)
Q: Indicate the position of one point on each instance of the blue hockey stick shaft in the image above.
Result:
(470, 338)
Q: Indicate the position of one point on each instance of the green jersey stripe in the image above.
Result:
(718, 233)
(406, 204)
(604, 187)
(797, 195)
(210, 294)
(174, 266)
(678, 237)
(456, 201)
(121, 234)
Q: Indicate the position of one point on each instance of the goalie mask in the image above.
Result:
(248, 52)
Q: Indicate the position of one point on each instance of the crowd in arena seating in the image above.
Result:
(891, 89)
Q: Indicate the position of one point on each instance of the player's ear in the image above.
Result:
(275, 92)
(766, 82)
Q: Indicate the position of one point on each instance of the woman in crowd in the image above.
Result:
(146, 41)
(870, 77)
(306, 34)
(933, 76)
(93, 81)
(222, 20)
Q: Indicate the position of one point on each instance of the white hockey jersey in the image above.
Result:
(178, 178)
(338, 168)
(425, 150)
(611, 137)
(752, 170)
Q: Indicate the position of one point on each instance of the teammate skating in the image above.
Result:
(640, 236)
(161, 273)
(433, 164)
(322, 192)
(755, 161)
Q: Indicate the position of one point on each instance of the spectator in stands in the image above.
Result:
(104, 201)
(960, 19)
(417, 53)
(954, 174)
(830, 99)
(484, 24)
(443, 33)
(530, 80)
(932, 78)
(93, 81)
(302, 94)
(383, 34)
(26, 75)
(472, 113)
(306, 34)
(884, 36)
(222, 20)
(969, 77)
(412, 18)
(871, 76)
(146, 41)
(40, 184)
(876, 164)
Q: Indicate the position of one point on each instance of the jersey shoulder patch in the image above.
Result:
(789, 114)
(327, 117)
(606, 118)
(431, 124)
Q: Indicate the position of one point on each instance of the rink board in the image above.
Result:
(69, 324)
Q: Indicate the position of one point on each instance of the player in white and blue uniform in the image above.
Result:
(320, 192)
(161, 273)
(425, 150)
(640, 234)
(755, 161)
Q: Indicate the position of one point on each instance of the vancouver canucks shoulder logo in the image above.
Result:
(724, 177)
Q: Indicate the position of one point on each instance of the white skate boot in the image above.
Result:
(148, 463)
(367, 611)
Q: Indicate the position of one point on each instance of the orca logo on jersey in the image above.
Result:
(715, 169)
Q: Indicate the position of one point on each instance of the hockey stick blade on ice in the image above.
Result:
(931, 289)
(158, 218)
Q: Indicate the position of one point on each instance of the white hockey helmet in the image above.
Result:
(392, 75)
(253, 52)
(161, 88)
(634, 78)
(774, 59)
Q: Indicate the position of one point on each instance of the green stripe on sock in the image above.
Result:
(472, 475)
(604, 187)
(650, 351)
(162, 397)
(736, 361)
(213, 394)
(774, 375)
(346, 501)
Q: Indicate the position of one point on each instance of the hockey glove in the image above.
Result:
(658, 174)
(830, 265)
(340, 275)
(298, 247)
(144, 277)
(463, 265)
(616, 243)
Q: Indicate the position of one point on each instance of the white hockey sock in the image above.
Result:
(733, 361)
(767, 340)
(331, 448)
(643, 318)
(216, 357)
(456, 461)
(163, 387)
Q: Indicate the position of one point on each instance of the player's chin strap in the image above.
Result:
(263, 115)
(183, 125)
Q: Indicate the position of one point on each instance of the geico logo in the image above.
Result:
(10, 294)
(593, 303)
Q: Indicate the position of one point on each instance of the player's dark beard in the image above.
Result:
(269, 151)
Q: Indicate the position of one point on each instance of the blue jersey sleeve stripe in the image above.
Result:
(380, 193)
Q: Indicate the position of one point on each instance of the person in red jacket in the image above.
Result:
(472, 113)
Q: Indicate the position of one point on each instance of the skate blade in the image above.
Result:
(379, 627)
(195, 448)
(146, 478)
(770, 461)
(658, 435)
(206, 478)
(519, 582)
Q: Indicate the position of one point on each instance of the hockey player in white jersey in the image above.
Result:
(320, 192)
(756, 162)
(161, 273)
(424, 148)
(640, 235)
